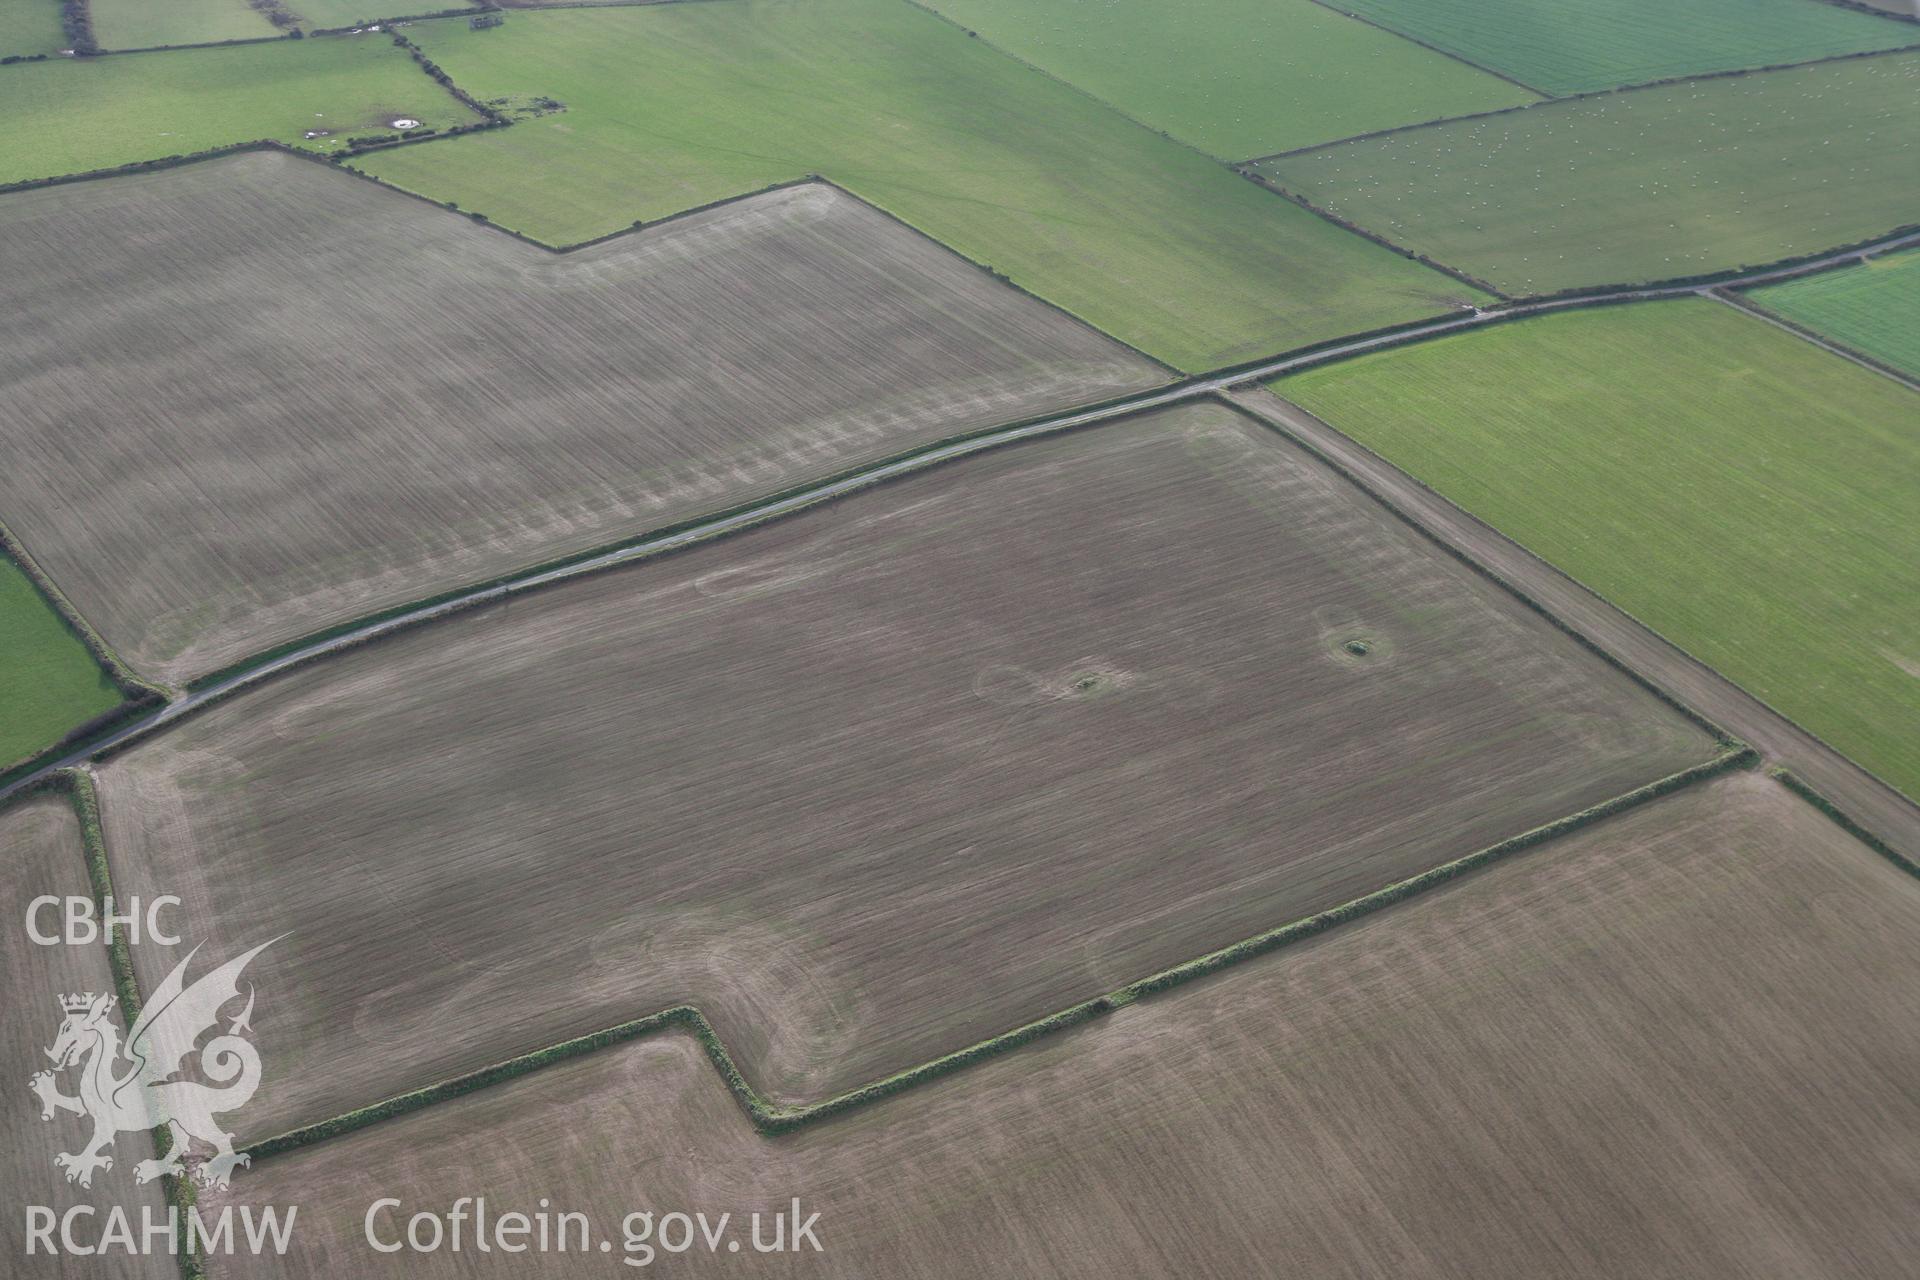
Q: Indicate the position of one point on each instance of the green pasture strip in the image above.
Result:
(1650, 184)
(1873, 308)
(1742, 492)
(148, 24)
(1236, 78)
(672, 106)
(1577, 46)
(29, 27)
(50, 683)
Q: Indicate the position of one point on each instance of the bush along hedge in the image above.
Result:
(772, 1118)
(402, 1104)
(445, 81)
(77, 21)
(1739, 758)
(1800, 787)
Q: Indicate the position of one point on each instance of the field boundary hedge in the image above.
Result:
(465, 11)
(196, 44)
(1780, 268)
(772, 1118)
(1262, 180)
(1845, 821)
(1432, 48)
(1585, 95)
(926, 7)
(76, 786)
(1858, 7)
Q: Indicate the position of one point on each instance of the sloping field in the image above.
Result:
(1649, 185)
(144, 24)
(674, 105)
(1572, 46)
(49, 683)
(72, 115)
(30, 26)
(1873, 308)
(1678, 1044)
(1742, 492)
(1237, 78)
(40, 854)
(348, 400)
(879, 781)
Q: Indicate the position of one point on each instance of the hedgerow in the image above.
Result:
(1800, 787)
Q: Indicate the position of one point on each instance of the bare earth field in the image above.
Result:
(40, 853)
(876, 782)
(1678, 1044)
(251, 399)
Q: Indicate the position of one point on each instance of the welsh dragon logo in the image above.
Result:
(132, 1089)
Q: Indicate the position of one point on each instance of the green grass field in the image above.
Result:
(1874, 309)
(68, 116)
(677, 105)
(49, 683)
(1647, 185)
(144, 24)
(1236, 78)
(1739, 490)
(30, 26)
(1575, 46)
(357, 13)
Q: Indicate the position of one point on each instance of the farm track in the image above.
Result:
(1879, 807)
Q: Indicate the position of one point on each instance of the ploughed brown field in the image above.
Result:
(876, 782)
(41, 854)
(1680, 1043)
(250, 399)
